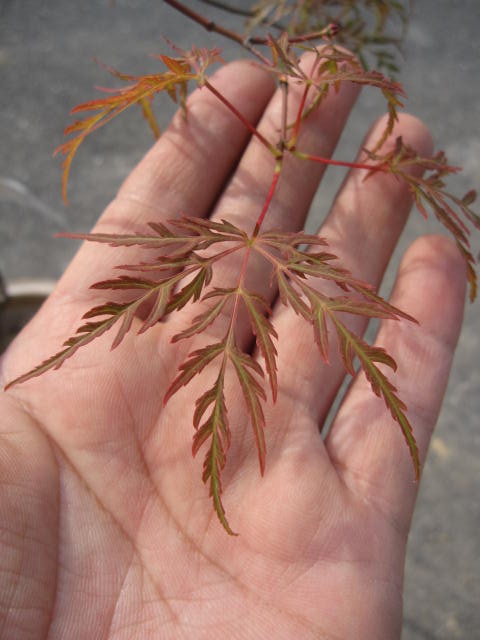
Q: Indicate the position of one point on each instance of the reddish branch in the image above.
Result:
(269, 198)
(247, 13)
(241, 117)
(246, 41)
(210, 25)
(337, 163)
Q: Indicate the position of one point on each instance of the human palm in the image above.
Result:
(106, 529)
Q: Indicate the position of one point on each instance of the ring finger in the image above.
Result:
(362, 229)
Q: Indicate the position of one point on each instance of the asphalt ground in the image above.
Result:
(46, 52)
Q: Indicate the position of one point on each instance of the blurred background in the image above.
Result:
(46, 68)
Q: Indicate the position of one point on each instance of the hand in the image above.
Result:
(106, 528)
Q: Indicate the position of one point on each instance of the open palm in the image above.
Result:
(106, 529)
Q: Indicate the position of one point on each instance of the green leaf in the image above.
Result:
(289, 295)
(139, 91)
(350, 346)
(157, 295)
(88, 332)
(125, 282)
(210, 229)
(253, 393)
(320, 330)
(376, 307)
(159, 307)
(264, 333)
(203, 320)
(165, 241)
(427, 186)
(195, 363)
(149, 116)
(193, 289)
(216, 429)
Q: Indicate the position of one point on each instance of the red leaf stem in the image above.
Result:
(242, 119)
(271, 191)
(337, 163)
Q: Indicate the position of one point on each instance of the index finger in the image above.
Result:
(184, 172)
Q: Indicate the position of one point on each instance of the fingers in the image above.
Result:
(246, 193)
(184, 172)
(365, 444)
(362, 229)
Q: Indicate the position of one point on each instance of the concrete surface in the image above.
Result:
(45, 68)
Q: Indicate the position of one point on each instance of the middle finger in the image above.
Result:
(362, 229)
(245, 195)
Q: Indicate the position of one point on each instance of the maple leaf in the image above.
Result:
(429, 192)
(264, 332)
(302, 262)
(311, 281)
(294, 268)
(193, 365)
(248, 373)
(253, 393)
(351, 345)
(216, 429)
(207, 317)
(86, 333)
(161, 294)
(336, 66)
(140, 90)
(361, 26)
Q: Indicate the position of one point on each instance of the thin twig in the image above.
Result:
(246, 41)
(210, 25)
(247, 13)
(337, 163)
(269, 198)
(284, 89)
(329, 31)
(242, 119)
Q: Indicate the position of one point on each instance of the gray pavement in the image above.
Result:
(46, 50)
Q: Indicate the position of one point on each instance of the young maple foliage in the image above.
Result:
(188, 250)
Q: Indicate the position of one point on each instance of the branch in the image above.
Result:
(247, 42)
(271, 191)
(242, 118)
(337, 163)
(330, 31)
(210, 25)
(247, 13)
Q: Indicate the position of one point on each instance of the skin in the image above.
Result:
(106, 530)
